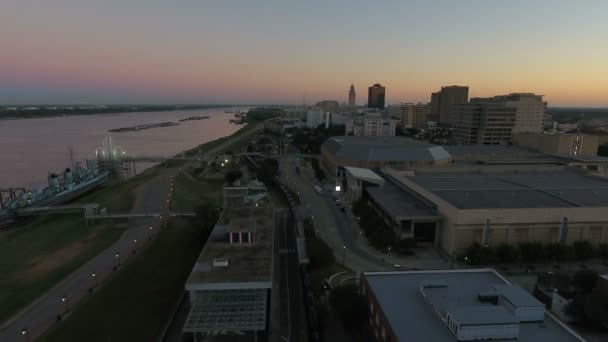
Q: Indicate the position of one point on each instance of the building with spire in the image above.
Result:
(351, 96)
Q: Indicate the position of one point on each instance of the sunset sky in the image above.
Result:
(258, 51)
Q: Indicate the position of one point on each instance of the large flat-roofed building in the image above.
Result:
(571, 144)
(456, 305)
(501, 203)
(231, 281)
(376, 152)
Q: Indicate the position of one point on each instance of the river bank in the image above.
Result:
(70, 238)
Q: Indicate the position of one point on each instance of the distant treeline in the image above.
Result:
(263, 113)
(46, 111)
(573, 115)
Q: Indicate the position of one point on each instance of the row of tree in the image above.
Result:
(377, 232)
(255, 115)
(532, 252)
(309, 140)
(319, 173)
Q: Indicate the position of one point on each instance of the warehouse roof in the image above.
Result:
(375, 148)
(555, 189)
(364, 174)
(412, 318)
(399, 203)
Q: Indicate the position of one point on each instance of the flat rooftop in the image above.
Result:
(249, 264)
(503, 190)
(400, 204)
(378, 148)
(413, 319)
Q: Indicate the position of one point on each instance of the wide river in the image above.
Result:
(32, 148)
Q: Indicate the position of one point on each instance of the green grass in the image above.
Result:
(135, 303)
(118, 195)
(190, 192)
(39, 254)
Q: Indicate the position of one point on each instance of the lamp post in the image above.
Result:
(64, 300)
(344, 256)
(94, 275)
(117, 257)
(25, 335)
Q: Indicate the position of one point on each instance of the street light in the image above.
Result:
(344, 256)
(24, 333)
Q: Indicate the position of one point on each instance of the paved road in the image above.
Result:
(331, 223)
(57, 302)
(288, 320)
(339, 229)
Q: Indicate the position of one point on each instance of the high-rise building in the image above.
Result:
(434, 113)
(375, 96)
(371, 124)
(314, 117)
(414, 115)
(442, 102)
(351, 96)
(482, 122)
(529, 110)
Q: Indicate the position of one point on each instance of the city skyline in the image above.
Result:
(240, 52)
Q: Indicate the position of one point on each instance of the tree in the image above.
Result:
(505, 253)
(233, 175)
(349, 305)
(585, 280)
(320, 254)
(206, 216)
(267, 171)
(602, 150)
(531, 252)
(558, 252)
(583, 250)
(602, 251)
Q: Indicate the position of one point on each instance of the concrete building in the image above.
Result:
(329, 106)
(315, 117)
(479, 122)
(230, 283)
(510, 203)
(564, 144)
(434, 106)
(529, 110)
(296, 113)
(357, 179)
(375, 152)
(375, 96)
(339, 119)
(443, 102)
(352, 96)
(370, 124)
(414, 115)
(456, 305)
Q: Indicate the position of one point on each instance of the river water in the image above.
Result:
(32, 148)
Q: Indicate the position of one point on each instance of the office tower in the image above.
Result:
(375, 97)
(482, 122)
(529, 110)
(443, 101)
(414, 115)
(351, 96)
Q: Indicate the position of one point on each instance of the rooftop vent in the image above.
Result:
(220, 262)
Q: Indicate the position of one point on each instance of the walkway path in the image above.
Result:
(57, 302)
